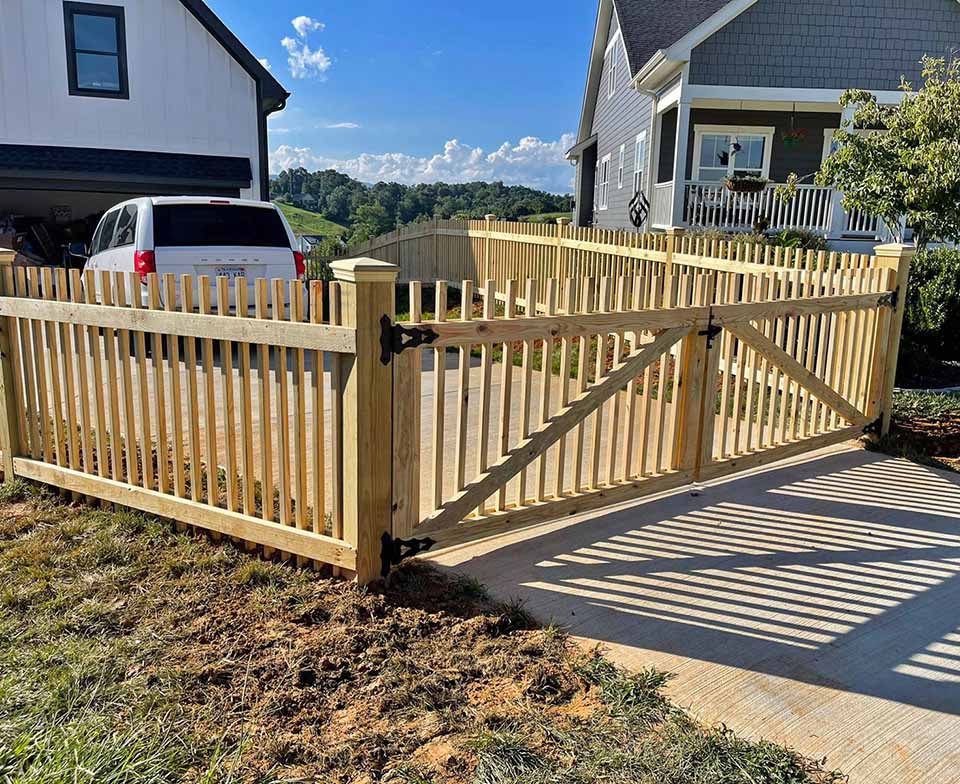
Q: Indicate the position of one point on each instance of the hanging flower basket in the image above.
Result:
(794, 138)
(745, 184)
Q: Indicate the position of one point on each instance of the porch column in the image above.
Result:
(838, 215)
(652, 163)
(680, 161)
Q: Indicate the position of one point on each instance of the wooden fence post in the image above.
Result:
(896, 258)
(10, 441)
(486, 249)
(367, 289)
(674, 236)
(562, 224)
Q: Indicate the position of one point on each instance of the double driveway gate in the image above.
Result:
(584, 393)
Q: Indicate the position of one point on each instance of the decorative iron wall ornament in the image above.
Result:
(639, 209)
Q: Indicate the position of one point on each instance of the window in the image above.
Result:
(612, 66)
(596, 187)
(640, 161)
(623, 155)
(105, 233)
(830, 144)
(126, 227)
(604, 182)
(96, 50)
(205, 225)
(721, 152)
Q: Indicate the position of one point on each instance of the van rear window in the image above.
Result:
(189, 225)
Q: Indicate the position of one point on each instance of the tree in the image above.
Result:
(907, 164)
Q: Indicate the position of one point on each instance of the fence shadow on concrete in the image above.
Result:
(842, 572)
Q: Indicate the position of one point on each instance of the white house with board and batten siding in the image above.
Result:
(109, 100)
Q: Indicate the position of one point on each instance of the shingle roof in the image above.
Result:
(651, 25)
(91, 163)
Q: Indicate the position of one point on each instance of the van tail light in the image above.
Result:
(300, 262)
(144, 263)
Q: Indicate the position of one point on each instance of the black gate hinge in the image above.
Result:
(711, 332)
(395, 338)
(395, 551)
(892, 299)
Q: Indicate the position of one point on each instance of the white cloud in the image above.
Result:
(531, 161)
(305, 62)
(349, 125)
(304, 25)
(265, 63)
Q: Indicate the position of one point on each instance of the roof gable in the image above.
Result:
(273, 95)
(648, 26)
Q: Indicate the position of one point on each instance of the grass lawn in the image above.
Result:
(306, 222)
(133, 654)
(926, 428)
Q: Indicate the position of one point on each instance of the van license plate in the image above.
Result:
(231, 272)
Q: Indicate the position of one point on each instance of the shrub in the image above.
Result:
(791, 238)
(799, 238)
(932, 316)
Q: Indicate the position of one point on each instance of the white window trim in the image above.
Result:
(621, 166)
(639, 162)
(734, 130)
(603, 199)
(613, 59)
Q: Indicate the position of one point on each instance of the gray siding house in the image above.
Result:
(683, 95)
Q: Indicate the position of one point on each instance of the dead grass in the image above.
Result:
(130, 653)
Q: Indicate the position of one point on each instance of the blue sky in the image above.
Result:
(423, 90)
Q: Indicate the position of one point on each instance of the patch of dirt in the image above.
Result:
(934, 437)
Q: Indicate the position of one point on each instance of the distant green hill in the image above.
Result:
(306, 222)
(546, 217)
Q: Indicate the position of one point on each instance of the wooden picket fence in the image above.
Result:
(149, 395)
(310, 424)
(482, 250)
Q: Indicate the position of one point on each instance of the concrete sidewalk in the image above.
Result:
(816, 604)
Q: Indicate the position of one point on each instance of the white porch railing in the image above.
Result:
(860, 223)
(712, 204)
(661, 205)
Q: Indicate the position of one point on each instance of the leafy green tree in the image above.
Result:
(909, 165)
(375, 218)
(341, 199)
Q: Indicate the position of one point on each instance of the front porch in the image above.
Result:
(711, 205)
(702, 141)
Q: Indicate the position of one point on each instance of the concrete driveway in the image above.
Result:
(816, 604)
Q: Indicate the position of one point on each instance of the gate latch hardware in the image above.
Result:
(394, 551)
(395, 338)
(711, 332)
(892, 299)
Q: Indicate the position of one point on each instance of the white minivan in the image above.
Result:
(191, 235)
